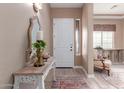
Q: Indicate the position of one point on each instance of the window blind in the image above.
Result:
(104, 27)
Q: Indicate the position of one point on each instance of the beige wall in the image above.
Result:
(14, 22)
(68, 13)
(118, 36)
(87, 38)
(123, 30)
(46, 25)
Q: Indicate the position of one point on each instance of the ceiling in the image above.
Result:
(109, 10)
(66, 5)
(100, 10)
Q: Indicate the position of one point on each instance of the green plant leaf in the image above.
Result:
(40, 44)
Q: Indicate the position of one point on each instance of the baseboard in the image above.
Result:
(91, 76)
(78, 67)
(85, 72)
(6, 86)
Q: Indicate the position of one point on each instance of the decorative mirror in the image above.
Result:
(34, 27)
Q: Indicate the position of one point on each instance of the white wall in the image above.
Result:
(14, 22)
(118, 36)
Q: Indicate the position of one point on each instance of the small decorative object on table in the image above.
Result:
(45, 56)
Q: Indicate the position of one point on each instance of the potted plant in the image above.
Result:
(99, 52)
(39, 45)
(99, 48)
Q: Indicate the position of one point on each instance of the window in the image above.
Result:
(103, 39)
(78, 37)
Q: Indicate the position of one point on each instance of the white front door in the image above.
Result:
(63, 42)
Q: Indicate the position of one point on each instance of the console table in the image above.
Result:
(34, 76)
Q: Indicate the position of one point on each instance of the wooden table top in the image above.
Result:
(30, 70)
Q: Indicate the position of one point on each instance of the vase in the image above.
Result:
(39, 61)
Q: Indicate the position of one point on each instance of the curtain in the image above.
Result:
(104, 27)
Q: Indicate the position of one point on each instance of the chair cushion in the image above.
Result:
(106, 62)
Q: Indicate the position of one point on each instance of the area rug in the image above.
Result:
(73, 82)
(116, 78)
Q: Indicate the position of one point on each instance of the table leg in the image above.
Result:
(16, 83)
(54, 72)
(40, 83)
